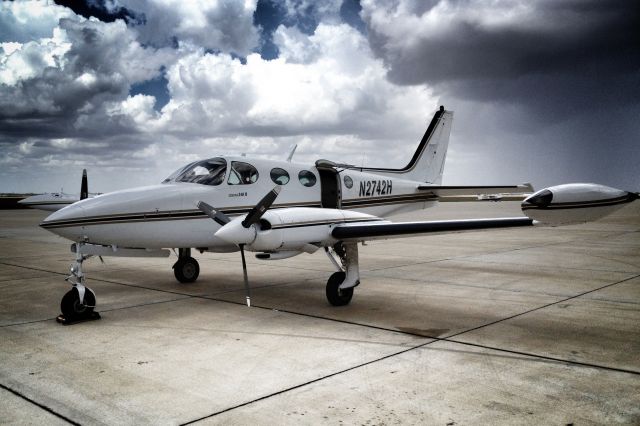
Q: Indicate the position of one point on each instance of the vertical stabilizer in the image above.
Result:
(427, 163)
(84, 187)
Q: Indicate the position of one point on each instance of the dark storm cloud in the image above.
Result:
(568, 55)
(59, 101)
(543, 90)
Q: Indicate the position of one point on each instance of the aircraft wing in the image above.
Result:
(373, 231)
(445, 191)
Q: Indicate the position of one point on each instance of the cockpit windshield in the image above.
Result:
(206, 172)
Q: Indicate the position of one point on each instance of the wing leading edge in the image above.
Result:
(363, 232)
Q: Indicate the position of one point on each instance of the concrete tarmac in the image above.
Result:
(513, 326)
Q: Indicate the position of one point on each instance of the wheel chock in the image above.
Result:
(70, 321)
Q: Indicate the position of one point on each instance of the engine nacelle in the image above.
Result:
(297, 227)
(300, 229)
(575, 203)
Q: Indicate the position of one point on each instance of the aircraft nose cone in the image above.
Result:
(234, 233)
(66, 222)
(68, 213)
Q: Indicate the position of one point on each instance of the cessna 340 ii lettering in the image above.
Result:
(219, 205)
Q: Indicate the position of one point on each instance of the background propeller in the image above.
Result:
(253, 217)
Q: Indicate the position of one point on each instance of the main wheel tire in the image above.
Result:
(72, 308)
(335, 295)
(186, 270)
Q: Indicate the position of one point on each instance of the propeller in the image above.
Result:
(236, 231)
(263, 205)
(219, 217)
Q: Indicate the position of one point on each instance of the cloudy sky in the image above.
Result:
(546, 91)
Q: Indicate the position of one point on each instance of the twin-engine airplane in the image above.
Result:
(219, 205)
(56, 200)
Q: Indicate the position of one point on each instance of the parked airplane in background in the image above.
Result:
(56, 200)
(219, 205)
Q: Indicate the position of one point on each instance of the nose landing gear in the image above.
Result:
(78, 303)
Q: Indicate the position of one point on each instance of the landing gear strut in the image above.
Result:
(186, 269)
(341, 284)
(78, 303)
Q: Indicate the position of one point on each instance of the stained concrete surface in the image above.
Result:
(517, 326)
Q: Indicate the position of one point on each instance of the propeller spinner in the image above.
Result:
(241, 232)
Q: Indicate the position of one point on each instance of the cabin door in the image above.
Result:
(330, 186)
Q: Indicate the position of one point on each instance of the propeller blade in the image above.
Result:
(218, 216)
(246, 277)
(263, 205)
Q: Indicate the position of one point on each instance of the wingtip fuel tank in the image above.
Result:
(575, 203)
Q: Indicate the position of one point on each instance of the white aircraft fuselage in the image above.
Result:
(166, 215)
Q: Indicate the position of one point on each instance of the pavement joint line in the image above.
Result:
(492, 289)
(544, 357)
(37, 404)
(309, 382)
(545, 306)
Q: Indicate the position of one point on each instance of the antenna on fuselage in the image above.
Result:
(293, 150)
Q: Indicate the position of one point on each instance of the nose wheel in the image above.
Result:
(73, 308)
(77, 304)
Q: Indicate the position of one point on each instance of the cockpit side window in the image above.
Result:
(205, 172)
(242, 174)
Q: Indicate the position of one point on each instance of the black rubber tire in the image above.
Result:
(335, 296)
(186, 270)
(71, 307)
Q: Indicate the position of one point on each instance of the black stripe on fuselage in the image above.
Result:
(382, 201)
(583, 204)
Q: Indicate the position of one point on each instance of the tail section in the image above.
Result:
(427, 163)
(84, 187)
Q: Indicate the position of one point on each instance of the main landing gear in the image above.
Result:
(341, 284)
(78, 303)
(186, 269)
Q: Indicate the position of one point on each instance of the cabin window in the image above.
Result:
(307, 178)
(242, 173)
(279, 176)
(205, 172)
(348, 182)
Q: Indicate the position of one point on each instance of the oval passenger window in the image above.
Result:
(279, 176)
(307, 178)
